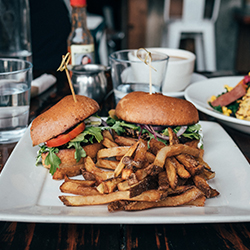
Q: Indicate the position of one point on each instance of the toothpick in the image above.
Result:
(63, 66)
(147, 61)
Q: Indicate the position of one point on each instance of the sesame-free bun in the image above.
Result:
(156, 109)
(61, 117)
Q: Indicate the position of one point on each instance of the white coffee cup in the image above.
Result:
(180, 69)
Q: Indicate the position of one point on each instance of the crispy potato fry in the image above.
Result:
(140, 153)
(190, 163)
(77, 188)
(163, 181)
(87, 175)
(123, 186)
(173, 139)
(121, 165)
(171, 172)
(111, 152)
(214, 193)
(155, 146)
(173, 150)
(150, 195)
(181, 171)
(106, 164)
(108, 186)
(171, 201)
(150, 157)
(140, 174)
(100, 174)
(126, 173)
(202, 184)
(106, 134)
(84, 183)
(124, 141)
(106, 142)
(199, 202)
(147, 183)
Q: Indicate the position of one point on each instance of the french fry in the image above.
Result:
(171, 201)
(124, 141)
(190, 163)
(140, 153)
(108, 186)
(111, 152)
(140, 174)
(126, 173)
(123, 186)
(106, 164)
(121, 165)
(84, 183)
(100, 174)
(106, 134)
(147, 183)
(150, 195)
(106, 142)
(181, 171)
(173, 139)
(150, 157)
(163, 181)
(173, 150)
(171, 172)
(87, 175)
(77, 188)
(202, 184)
(155, 145)
(199, 202)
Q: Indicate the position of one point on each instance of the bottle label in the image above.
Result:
(82, 54)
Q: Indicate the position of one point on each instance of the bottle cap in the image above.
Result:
(78, 3)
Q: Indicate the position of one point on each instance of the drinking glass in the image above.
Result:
(15, 85)
(130, 73)
(15, 37)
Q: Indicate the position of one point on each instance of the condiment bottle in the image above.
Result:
(80, 41)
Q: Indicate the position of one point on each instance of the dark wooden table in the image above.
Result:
(20, 235)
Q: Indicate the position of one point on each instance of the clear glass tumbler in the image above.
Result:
(15, 85)
(129, 72)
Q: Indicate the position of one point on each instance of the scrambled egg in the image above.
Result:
(226, 111)
(243, 112)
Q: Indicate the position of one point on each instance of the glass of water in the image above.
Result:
(15, 85)
(130, 73)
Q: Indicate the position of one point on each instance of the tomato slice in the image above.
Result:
(64, 138)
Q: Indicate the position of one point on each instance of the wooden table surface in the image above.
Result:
(22, 235)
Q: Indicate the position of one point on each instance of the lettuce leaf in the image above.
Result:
(87, 136)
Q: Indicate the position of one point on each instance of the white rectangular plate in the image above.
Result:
(28, 193)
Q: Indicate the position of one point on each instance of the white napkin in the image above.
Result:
(42, 83)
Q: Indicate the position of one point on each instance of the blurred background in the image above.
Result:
(140, 23)
(132, 24)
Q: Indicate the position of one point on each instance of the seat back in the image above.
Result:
(192, 10)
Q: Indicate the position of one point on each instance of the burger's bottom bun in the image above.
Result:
(68, 165)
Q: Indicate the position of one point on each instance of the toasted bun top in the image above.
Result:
(61, 117)
(156, 109)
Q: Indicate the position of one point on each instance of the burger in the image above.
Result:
(66, 133)
(140, 114)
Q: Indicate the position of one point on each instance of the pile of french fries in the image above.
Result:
(130, 175)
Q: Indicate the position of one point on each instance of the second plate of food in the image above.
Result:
(199, 93)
